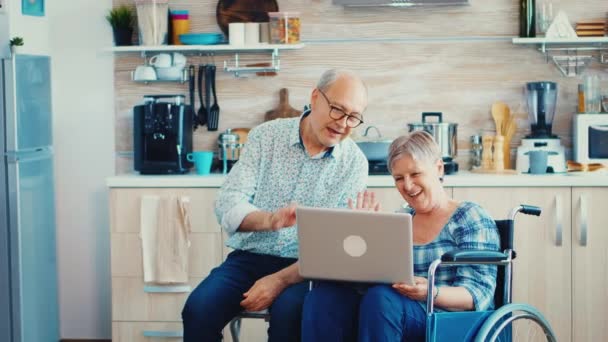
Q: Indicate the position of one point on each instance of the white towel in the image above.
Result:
(165, 229)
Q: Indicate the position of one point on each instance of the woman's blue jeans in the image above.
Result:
(216, 300)
(338, 311)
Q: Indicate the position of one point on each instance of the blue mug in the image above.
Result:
(202, 161)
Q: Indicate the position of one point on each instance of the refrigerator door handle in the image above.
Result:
(37, 153)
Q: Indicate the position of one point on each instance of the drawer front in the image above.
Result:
(131, 303)
(146, 332)
(125, 207)
(205, 253)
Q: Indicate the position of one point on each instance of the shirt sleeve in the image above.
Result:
(356, 181)
(477, 230)
(235, 198)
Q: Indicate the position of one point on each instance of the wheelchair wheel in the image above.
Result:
(515, 322)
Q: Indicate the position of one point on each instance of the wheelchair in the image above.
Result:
(509, 322)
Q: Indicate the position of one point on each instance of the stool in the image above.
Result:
(235, 323)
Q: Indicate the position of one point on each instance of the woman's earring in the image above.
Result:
(441, 179)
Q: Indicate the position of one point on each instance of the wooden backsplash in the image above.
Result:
(457, 60)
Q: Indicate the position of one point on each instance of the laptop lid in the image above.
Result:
(351, 245)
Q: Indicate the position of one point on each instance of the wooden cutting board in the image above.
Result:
(243, 11)
(284, 109)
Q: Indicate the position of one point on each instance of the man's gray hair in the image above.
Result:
(330, 76)
(420, 145)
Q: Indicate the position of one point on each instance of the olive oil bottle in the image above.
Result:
(527, 18)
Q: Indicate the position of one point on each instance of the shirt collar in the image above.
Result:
(296, 139)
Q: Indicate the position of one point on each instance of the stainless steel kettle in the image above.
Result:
(444, 133)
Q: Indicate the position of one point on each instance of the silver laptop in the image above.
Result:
(351, 245)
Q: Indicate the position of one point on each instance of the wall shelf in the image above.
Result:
(570, 55)
(219, 49)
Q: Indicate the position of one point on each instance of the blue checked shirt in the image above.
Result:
(470, 227)
(275, 170)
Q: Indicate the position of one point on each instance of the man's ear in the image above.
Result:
(313, 98)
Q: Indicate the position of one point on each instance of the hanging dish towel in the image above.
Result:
(165, 229)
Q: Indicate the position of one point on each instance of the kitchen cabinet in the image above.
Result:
(233, 66)
(145, 313)
(589, 260)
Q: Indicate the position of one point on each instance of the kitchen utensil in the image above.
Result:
(191, 80)
(498, 160)
(444, 133)
(499, 113)
(214, 111)
(204, 101)
(229, 146)
(486, 156)
(509, 131)
(374, 149)
(243, 11)
(284, 109)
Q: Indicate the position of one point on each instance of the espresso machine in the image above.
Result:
(541, 98)
(162, 133)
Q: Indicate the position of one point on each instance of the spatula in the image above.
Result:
(202, 111)
(509, 131)
(214, 110)
(499, 113)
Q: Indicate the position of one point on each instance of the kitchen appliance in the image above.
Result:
(444, 134)
(162, 135)
(29, 307)
(399, 3)
(591, 138)
(229, 149)
(541, 99)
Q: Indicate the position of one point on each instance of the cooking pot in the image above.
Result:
(444, 133)
(374, 149)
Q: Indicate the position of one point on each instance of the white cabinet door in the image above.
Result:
(542, 269)
(590, 264)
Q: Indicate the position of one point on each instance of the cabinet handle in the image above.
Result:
(165, 334)
(583, 214)
(167, 289)
(558, 221)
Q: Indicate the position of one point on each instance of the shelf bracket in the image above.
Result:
(237, 68)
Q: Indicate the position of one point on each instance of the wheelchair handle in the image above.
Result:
(526, 209)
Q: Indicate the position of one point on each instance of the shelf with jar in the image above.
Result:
(570, 55)
(234, 66)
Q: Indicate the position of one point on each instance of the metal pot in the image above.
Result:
(375, 150)
(444, 134)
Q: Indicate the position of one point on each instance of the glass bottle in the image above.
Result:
(527, 18)
(476, 151)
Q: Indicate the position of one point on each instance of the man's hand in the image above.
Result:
(284, 217)
(417, 291)
(263, 293)
(365, 201)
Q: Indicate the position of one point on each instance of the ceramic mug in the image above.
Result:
(202, 161)
(144, 73)
(162, 60)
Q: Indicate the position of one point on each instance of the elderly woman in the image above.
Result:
(340, 311)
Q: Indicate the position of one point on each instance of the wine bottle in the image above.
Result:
(527, 18)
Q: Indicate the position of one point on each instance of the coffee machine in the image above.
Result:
(162, 134)
(541, 98)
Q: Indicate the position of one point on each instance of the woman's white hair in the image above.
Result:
(420, 145)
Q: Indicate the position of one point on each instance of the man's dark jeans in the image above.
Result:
(216, 300)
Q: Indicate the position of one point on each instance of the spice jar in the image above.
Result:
(284, 27)
(581, 98)
(476, 151)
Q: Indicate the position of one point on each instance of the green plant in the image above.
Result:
(16, 41)
(122, 16)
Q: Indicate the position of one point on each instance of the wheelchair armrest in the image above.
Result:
(459, 255)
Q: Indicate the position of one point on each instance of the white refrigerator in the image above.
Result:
(28, 263)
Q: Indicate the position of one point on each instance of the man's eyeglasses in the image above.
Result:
(352, 120)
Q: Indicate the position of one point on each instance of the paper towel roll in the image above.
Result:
(236, 33)
(252, 33)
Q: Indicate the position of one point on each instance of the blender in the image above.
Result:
(541, 98)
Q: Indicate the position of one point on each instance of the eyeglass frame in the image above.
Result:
(334, 107)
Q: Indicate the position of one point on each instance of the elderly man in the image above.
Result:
(307, 160)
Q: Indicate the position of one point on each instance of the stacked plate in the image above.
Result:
(201, 38)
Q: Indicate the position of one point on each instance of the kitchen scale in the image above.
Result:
(541, 97)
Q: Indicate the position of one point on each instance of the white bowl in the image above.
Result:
(174, 73)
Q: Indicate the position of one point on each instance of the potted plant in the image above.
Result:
(122, 19)
(15, 42)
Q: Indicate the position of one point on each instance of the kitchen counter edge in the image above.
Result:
(462, 179)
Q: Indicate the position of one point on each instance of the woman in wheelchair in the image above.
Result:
(341, 311)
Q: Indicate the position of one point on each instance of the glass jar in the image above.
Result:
(476, 151)
(284, 27)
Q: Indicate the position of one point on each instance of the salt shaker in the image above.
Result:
(499, 159)
(476, 151)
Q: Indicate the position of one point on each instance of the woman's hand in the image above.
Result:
(366, 200)
(418, 291)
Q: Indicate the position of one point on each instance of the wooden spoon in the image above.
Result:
(500, 111)
(509, 131)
